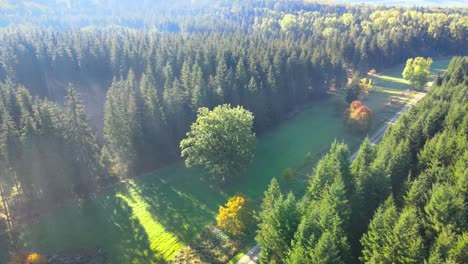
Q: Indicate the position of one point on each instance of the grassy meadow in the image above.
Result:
(150, 218)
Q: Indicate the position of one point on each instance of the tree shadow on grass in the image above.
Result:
(104, 223)
(180, 212)
(132, 221)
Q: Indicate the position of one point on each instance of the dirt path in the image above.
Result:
(251, 257)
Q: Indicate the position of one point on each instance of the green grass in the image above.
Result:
(390, 83)
(151, 218)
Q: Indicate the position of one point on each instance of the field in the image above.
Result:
(152, 217)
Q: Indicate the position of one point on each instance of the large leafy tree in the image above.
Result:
(221, 140)
(417, 71)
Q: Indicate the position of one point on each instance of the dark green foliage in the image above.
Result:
(277, 229)
(49, 151)
(406, 200)
(144, 78)
(393, 237)
(353, 91)
(81, 144)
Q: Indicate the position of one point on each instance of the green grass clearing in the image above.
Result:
(149, 219)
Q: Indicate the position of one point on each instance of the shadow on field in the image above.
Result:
(106, 223)
(133, 243)
(179, 212)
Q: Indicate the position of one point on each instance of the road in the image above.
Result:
(374, 139)
(251, 257)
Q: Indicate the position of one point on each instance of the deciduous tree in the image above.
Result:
(417, 71)
(220, 140)
(236, 216)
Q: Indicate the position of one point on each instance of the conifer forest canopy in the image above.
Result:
(99, 97)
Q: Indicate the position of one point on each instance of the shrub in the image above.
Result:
(35, 258)
(236, 215)
(288, 174)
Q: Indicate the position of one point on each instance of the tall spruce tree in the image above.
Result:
(81, 144)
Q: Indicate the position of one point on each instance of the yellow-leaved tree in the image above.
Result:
(236, 216)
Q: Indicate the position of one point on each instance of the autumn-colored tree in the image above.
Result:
(358, 117)
(23, 257)
(35, 258)
(236, 215)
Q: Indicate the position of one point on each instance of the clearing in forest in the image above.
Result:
(152, 217)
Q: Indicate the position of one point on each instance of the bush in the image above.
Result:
(288, 174)
(24, 257)
(236, 216)
(35, 258)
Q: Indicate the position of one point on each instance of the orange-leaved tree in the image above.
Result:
(236, 216)
(358, 117)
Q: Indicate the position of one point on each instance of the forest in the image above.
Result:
(93, 93)
(411, 189)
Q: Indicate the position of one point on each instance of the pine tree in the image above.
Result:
(326, 250)
(404, 244)
(445, 208)
(326, 173)
(81, 143)
(278, 230)
(342, 153)
(373, 241)
(271, 197)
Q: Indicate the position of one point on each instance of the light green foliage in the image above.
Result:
(373, 241)
(445, 208)
(270, 198)
(449, 247)
(322, 235)
(220, 140)
(392, 238)
(404, 243)
(289, 23)
(342, 153)
(417, 71)
(326, 173)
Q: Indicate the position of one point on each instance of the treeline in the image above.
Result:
(173, 75)
(401, 201)
(375, 37)
(269, 78)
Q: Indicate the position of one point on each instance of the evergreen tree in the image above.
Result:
(81, 143)
(281, 225)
